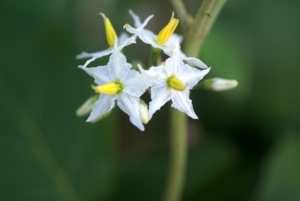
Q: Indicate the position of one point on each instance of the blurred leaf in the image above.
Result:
(208, 164)
(280, 178)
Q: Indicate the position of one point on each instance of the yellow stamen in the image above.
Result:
(108, 88)
(109, 30)
(167, 31)
(176, 84)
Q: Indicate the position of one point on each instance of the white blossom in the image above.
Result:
(122, 41)
(175, 79)
(150, 38)
(118, 82)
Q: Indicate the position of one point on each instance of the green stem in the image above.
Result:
(155, 57)
(36, 141)
(195, 36)
(198, 31)
(218, 5)
(178, 155)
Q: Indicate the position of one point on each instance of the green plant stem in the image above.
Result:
(214, 12)
(178, 150)
(180, 11)
(199, 30)
(36, 141)
(155, 57)
(195, 36)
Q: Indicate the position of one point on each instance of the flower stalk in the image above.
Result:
(178, 149)
(195, 36)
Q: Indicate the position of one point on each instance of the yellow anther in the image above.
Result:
(109, 30)
(176, 84)
(167, 31)
(108, 88)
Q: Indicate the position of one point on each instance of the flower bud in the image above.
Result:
(143, 112)
(219, 84)
(87, 106)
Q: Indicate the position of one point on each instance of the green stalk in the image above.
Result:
(204, 19)
(155, 57)
(196, 34)
(178, 143)
(194, 38)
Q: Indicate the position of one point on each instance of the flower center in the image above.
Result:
(167, 31)
(109, 30)
(175, 84)
(110, 88)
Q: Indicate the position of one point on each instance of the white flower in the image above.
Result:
(122, 41)
(174, 83)
(116, 81)
(167, 43)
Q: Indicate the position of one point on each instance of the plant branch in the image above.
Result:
(214, 14)
(178, 155)
(200, 28)
(195, 35)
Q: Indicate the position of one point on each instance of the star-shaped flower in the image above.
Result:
(174, 83)
(122, 41)
(165, 40)
(118, 82)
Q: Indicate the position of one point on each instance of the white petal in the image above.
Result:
(156, 76)
(136, 19)
(122, 38)
(170, 45)
(173, 39)
(194, 61)
(101, 74)
(117, 65)
(99, 54)
(157, 71)
(174, 65)
(182, 102)
(146, 36)
(191, 76)
(127, 42)
(159, 97)
(102, 106)
(137, 85)
(145, 22)
(130, 105)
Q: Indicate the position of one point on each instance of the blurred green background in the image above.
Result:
(245, 145)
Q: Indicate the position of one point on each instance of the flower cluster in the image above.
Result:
(117, 83)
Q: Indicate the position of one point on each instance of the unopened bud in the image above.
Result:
(87, 106)
(219, 84)
(143, 112)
